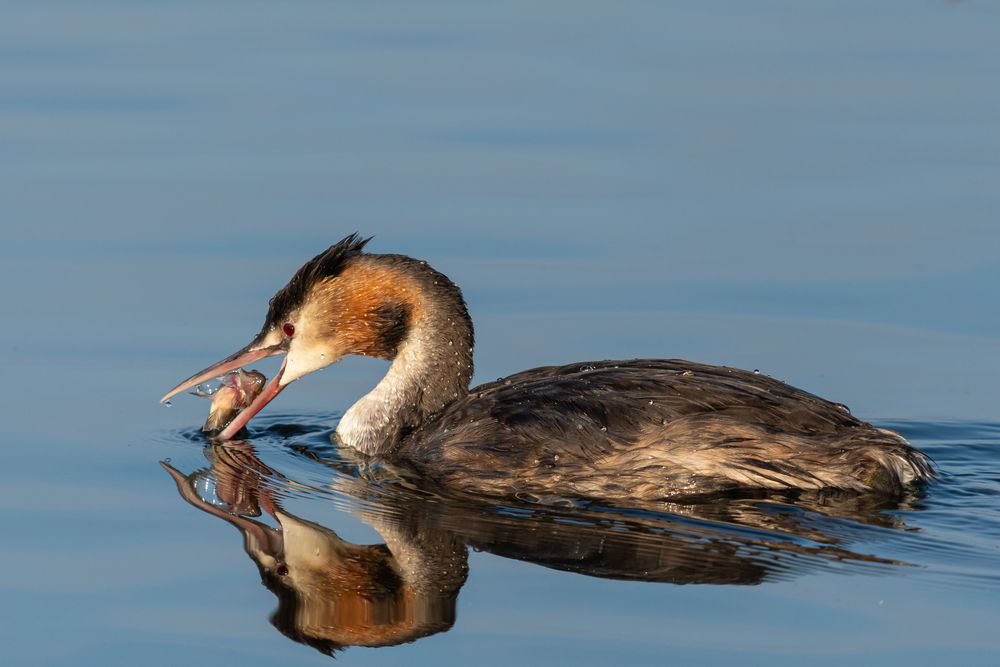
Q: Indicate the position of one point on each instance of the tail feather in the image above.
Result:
(897, 464)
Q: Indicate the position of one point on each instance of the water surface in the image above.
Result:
(806, 190)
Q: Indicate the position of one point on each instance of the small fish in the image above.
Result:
(237, 390)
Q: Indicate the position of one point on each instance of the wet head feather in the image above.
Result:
(328, 264)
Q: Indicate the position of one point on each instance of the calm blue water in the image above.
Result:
(810, 190)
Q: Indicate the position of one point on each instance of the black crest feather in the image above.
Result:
(323, 266)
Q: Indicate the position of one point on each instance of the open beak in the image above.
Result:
(247, 355)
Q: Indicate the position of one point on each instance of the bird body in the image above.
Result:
(641, 430)
(654, 428)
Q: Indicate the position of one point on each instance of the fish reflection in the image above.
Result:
(333, 593)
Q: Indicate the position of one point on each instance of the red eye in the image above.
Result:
(289, 329)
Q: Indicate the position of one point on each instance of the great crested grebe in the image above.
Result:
(642, 429)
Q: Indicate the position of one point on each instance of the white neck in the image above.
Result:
(431, 370)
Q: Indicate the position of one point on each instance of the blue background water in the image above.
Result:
(810, 190)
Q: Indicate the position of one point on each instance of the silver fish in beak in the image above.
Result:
(237, 391)
(230, 404)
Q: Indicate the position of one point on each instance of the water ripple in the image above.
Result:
(948, 534)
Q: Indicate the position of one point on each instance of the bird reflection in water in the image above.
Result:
(333, 593)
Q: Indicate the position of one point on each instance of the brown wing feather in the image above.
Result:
(651, 428)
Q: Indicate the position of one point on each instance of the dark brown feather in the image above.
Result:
(323, 266)
(651, 428)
